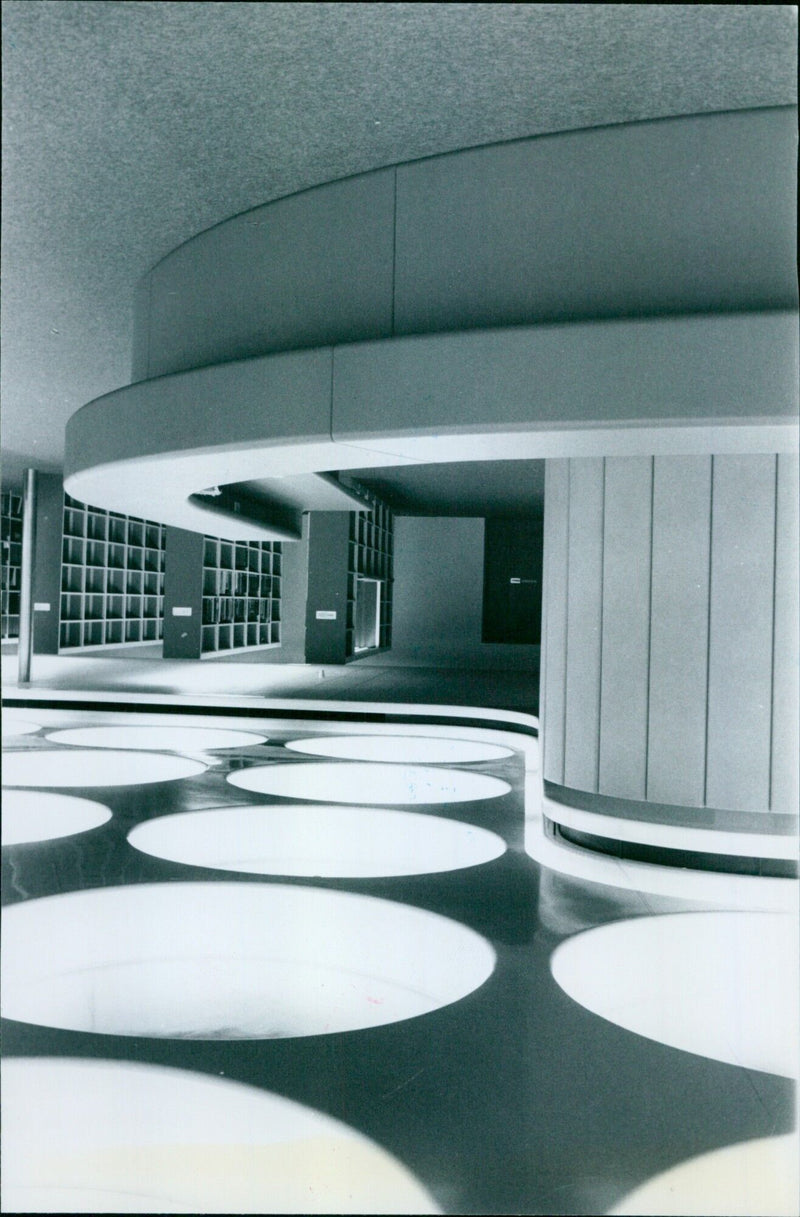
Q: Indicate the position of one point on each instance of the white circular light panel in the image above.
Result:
(12, 726)
(368, 783)
(231, 961)
(54, 767)
(722, 985)
(157, 738)
(36, 815)
(317, 840)
(760, 1178)
(401, 749)
(94, 1136)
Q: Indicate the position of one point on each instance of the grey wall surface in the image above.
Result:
(671, 650)
(438, 598)
(679, 630)
(512, 579)
(304, 271)
(677, 216)
(693, 368)
(183, 588)
(328, 533)
(47, 562)
(581, 293)
(786, 644)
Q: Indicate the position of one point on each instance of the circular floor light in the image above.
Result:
(317, 840)
(54, 767)
(36, 815)
(157, 738)
(368, 783)
(12, 726)
(719, 984)
(231, 961)
(760, 1178)
(95, 1136)
(401, 749)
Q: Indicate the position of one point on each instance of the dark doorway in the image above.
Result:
(512, 581)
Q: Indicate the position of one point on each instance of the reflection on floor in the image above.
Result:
(507, 689)
(432, 1060)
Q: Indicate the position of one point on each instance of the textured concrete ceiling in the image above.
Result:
(128, 127)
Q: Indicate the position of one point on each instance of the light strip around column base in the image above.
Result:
(718, 842)
(735, 864)
(751, 892)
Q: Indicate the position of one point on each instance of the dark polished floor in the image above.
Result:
(141, 670)
(514, 1098)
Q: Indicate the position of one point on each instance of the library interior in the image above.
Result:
(400, 608)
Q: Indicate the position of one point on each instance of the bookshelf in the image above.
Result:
(241, 595)
(11, 537)
(112, 578)
(369, 580)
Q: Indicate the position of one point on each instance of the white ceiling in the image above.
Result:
(128, 127)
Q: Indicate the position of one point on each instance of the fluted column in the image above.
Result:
(671, 630)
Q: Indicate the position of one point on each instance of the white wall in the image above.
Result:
(438, 598)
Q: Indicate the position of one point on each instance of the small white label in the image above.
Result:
(181, 610)
(41, 607)
(326, 614)
(515, 580)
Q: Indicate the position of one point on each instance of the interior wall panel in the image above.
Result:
(481, 233)
(49, 527)
(308, 270)
(786, 659)
(543, 647)
(416, 390)
(626, 627)
(183, 589)
(671, 630)
(584, 624)
(325, 634)
(476, 238)
(554, 636)
(512, 581)
(679, 630)
(740, 633)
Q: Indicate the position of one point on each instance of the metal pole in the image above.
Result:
(26, 577)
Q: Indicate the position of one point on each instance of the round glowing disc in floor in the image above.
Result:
(95, 1136)
(53, 767)
(760, 1178)
(163, 739)
(315, 840)
(12, 726)
(36, 815)
(231, 961)
(722, 985)
(401, 749)
(368, 783)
